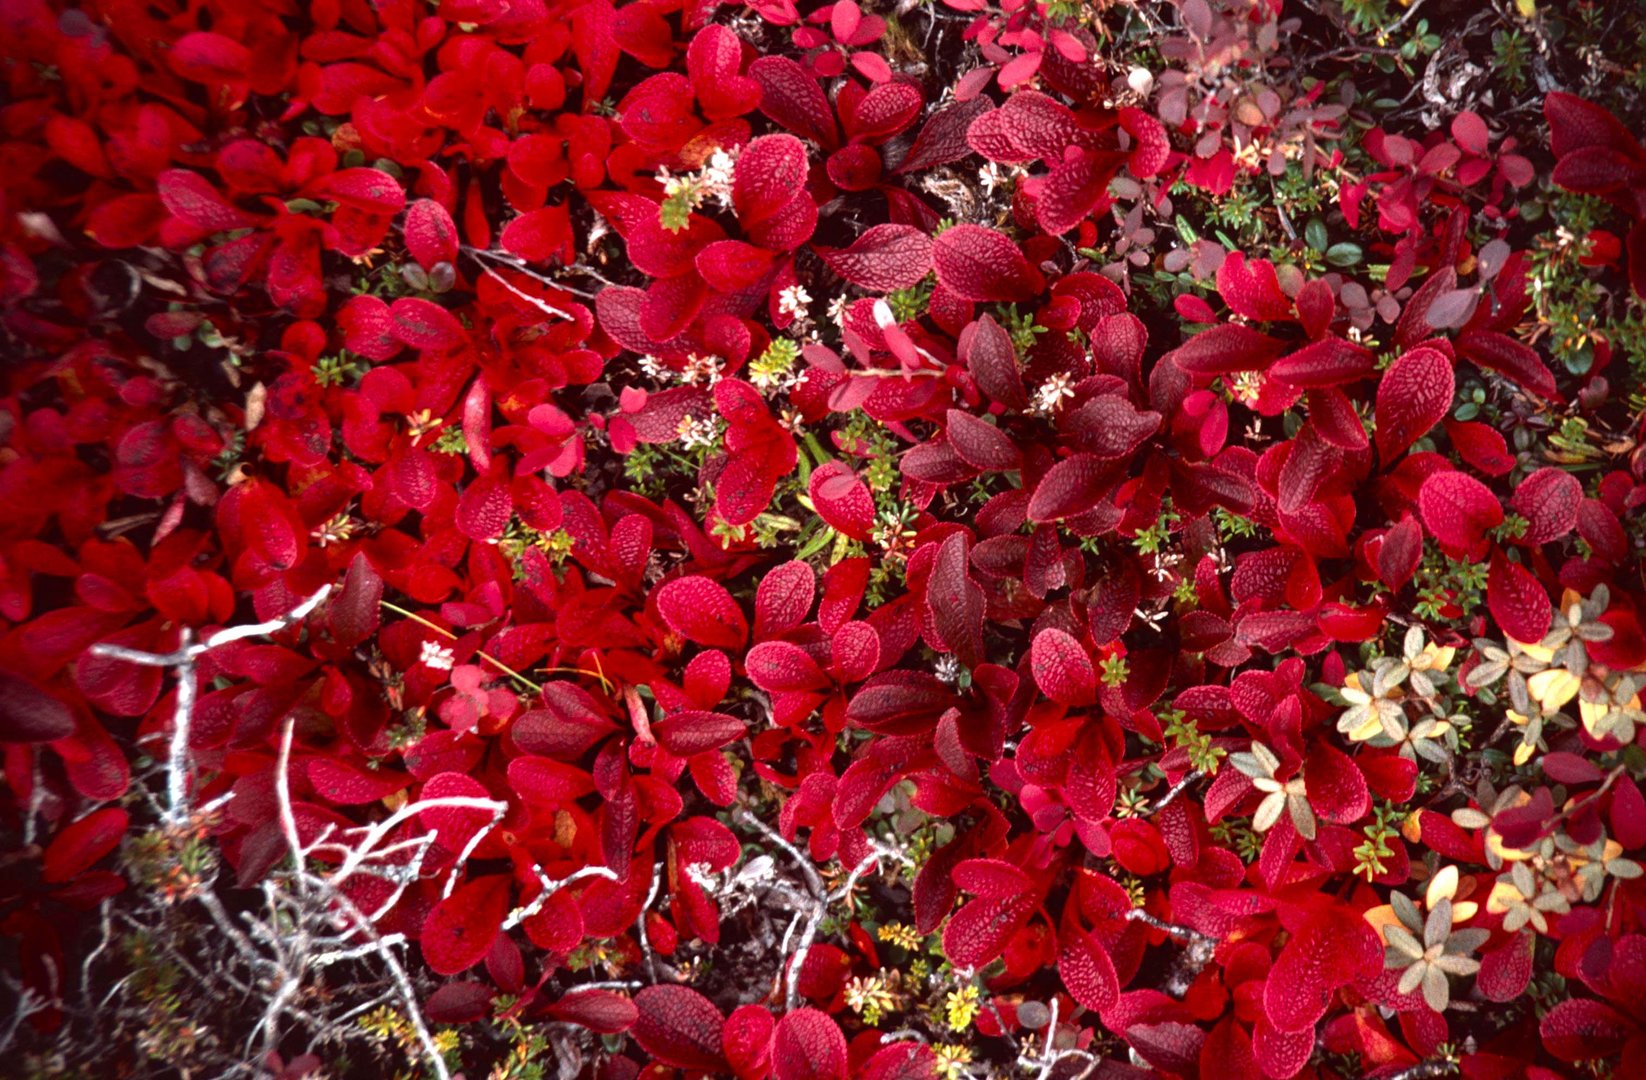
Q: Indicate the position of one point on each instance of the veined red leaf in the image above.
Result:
(1062, 669)
(1517, 602)
(808, 1045)
(781, 665)
(604, 1012)
(1412, 397)
(544, 782)
(460, 929)
(993, 879)
(979, 931)
(988, 351)
(1458, 510)
(192, 198)
(771, 171)
(431, 234)
(371, 190)
(1088, 972)
(691, 732)
(1330, 361)
(205, 57)
(1226, 349)
(791, 98)
(80, 844)
(784, 598)
(979, 443)
(1335, 787)
(980, 264)
(885, 258)
(956, 602)
(842, 500)
(1548, 499)
(702, 611)
(1073, 486)
(424, 324)
(1512, 359)
(679, 1027)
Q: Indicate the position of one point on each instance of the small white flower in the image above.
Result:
(695, 432)
(653, 367)
(837, 311)
(793, 300)
(704, 369)
(437, 656)
(1049, 398)
(1247, 386)
(947, 668)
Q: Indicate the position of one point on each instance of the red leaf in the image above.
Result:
(1152, 148)
(784, 598)
(687, 733)
(747, 1040)
(732, 265)
(780, 665)
(1457, 510)
(1330, 950)
(460, 929)
(793, 100)
(206, 58)
(807, 1045)
(771, 171)
(1517, 602)
(979, 931)
(371, 190)
(1335, 787)
(1088, 972)
(540, 235)
(431, 234)
(979, 443)
(192, 198)
(703, 612)
(81, 844)
(1401, 551)
(1073, 486)
(992, 879)
(1582, 1029)
(987, 350)
(885, 258)
(1252, 288)
(1062, 669)
(1226, 349)
(30, 714)
(547, 783)
(842, 500)
(979, 264)
(956, 602)
(679, 1027)
(1548, 499)
(424, 324)
(1510, 358)
(1329, 362)
(603, 1012)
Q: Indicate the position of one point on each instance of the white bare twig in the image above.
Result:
(184, 659)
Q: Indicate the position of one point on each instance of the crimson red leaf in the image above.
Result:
(988, 351)
(79, 845)
(956, 602)
(30, 714)
(886, 257)
(603, 1012)
(371, 190)
(690, 732)
(771, 171)
(703, 612)
(1510, 358)
(424, 324)
(1062, 669)
(1548, 499)
(979, 931)
(1226, 349)
(842, 500)
(460, 929)
(1583, 1029)
(783, 599)
(1073, 486)
(679, 1027)
(808, 1045)
(1335, 787)
(979, 443)
(1329, 362)
(431, 234)
(993, 879)
(979, 264)
(1516, 600)
(1457, 510)
(780, 665)
(1088, 972)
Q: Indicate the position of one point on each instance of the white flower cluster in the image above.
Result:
(437, 656)
(696, 431)
(1051, 394)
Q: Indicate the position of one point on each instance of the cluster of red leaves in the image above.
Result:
(165, 184)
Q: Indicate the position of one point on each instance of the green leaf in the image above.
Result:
(1344, 254)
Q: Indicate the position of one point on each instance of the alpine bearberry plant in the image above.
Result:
(924, 540)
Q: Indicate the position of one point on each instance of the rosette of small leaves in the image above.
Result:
(1279, 796)
(1378, 698)
(1428, 950)
(1522, 899)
